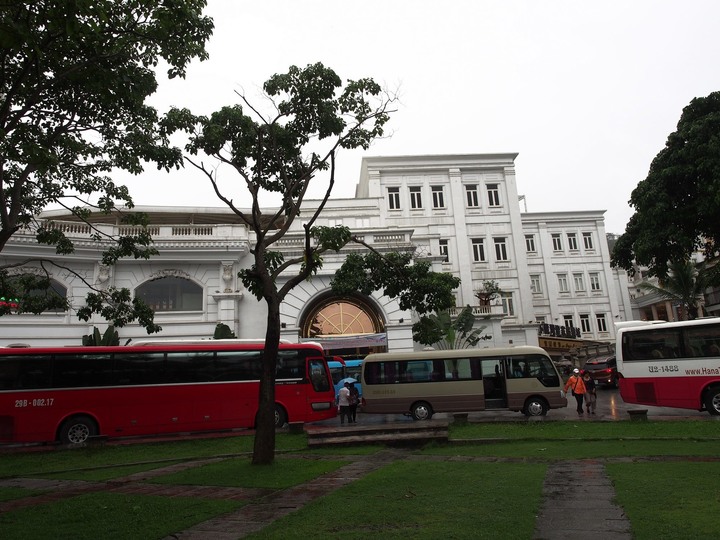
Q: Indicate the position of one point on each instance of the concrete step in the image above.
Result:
(400, 433)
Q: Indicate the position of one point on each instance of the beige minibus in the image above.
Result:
(423, 383)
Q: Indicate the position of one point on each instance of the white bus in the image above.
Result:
(671, 364)
(423, 383)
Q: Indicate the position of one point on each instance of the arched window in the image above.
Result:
(342, 316)
(171, 294)
(30, 293)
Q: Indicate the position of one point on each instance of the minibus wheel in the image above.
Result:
(77, 430)
(421, 411)
(712, 400)
(535, 406)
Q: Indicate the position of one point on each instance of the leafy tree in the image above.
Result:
(677, 207)
(313, 116)
(74, 77)
(489, 292)
(440, 331)
(685, 285)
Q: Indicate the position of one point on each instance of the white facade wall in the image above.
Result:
(208, 247)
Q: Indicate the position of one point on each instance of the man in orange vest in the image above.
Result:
(577, 385)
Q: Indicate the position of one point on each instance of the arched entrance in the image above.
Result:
(349, 326)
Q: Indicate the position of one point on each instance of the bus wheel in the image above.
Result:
(280, 416)
(77, 430)
(421, 411)
(712, 401)
(535, 407)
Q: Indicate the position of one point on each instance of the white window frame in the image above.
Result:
(438, 196)
(585, 327)
(535, 283)
(588, 240)
(572, 241)
(501, 254)
(415, 197)
(478, 249)
(601, 322)
(471, 196)
(393, 198)
(508, 304)
(563, 285)
(493, 192)
(595, 285)
(556, 242)
(579, 282)
(444, 249)
(530, 243)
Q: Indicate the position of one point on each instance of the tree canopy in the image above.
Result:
(74, 78)
(677, 207)
(312, 115)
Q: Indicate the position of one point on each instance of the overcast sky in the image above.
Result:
(585, 92)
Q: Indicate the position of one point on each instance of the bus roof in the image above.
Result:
(639, 325)
(455, 353)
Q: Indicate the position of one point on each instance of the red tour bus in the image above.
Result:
(69, 394)
(670, 364)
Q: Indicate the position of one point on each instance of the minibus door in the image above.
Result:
(493, 373)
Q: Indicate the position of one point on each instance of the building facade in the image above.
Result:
(461, 212)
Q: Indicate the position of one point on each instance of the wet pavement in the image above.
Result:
(563, 494)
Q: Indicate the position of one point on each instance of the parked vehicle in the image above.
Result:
(603, 370)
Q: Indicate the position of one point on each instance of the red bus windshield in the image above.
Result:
(71, 394)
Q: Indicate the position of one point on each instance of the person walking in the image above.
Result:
(354, 402)
(343, 400)
(575, 382)
(590, 392)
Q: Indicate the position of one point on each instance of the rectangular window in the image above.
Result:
(535, 284)
(579, 282)
(438, 196)
(587, 240)
(530, 243)
(507, 304)
(585, 323)
(471, 193)
(572, 242)
(595, 282)
(335, 222)
(568, 321)
(362, 223)
(415, 197)
(557, 242)
(563, 283)
(394, 198)
(444, 251)
(601, 322)
(493, 192)
(478, 248)
(500, 249)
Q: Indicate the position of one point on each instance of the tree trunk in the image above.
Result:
(264, 447)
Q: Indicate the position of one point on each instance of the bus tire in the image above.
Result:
(280, 416)
(421, 411)
(712, 400)
(535, 406)
(77, 430)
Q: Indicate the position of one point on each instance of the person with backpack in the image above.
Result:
(354, 402)
(575, 382)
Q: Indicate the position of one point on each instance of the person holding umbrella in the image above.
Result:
(354, 402)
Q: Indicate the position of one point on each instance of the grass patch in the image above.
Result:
(283, 473)
(32, 463)
(578, 449)
(10, 493)
(586, 429)
(424, 500)
(100, 475)
(673, 501)
(110, 516)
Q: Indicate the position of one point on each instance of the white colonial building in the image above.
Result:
(462, 212)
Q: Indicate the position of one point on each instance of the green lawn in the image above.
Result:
(440, 492)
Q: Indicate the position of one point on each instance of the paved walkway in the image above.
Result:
(570, 488)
